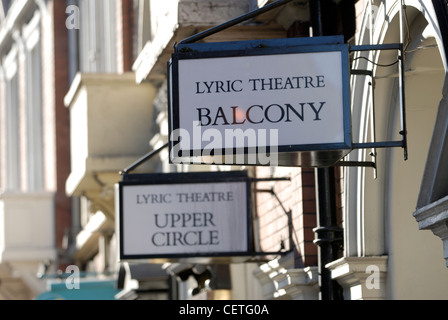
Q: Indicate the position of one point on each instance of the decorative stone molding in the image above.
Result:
(434, 217)
(26, 227)
(12, 286)
(180, 19)
(102, 145)
(297, 284)
(279, 280)
(362, 278)
(264, 275)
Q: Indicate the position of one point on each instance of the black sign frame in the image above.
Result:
(185, 178)
(303, 155)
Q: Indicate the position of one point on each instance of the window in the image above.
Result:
(143, 23)
(33, 105)
(12, 152)
(97, 36)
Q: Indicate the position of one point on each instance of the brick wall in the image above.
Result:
(296, 196)
(339, 177)
(125, 35)
(62, 122)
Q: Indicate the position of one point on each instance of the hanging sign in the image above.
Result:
(180, 215)
(264, 102)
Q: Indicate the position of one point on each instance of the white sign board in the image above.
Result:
(184, 219)
(293, 101)
(300, 95)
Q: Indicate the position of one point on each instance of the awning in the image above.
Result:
(88, 290)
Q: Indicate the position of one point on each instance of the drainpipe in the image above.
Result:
(73, 47)
(327, 233)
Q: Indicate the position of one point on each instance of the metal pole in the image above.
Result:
(328, 235)
(143, 159)
(326, 229)
(316, 18)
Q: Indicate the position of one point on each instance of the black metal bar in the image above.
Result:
(371, 47)
(278, 253)
(403, 131)
(269, 179)
(385, 144)
(143, 159)
(231, 23)
(361, 72)
(316, 18)
(356, 164)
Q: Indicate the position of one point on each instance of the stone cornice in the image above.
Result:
(432, 214)
(434, 217)
(353, 274)
(280, 280)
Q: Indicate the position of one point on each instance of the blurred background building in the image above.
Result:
(35, 211)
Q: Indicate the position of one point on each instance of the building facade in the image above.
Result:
(371, 206)
(34, 149)
(350, 231)
(380, 206)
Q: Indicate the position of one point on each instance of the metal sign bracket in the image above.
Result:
(403, 131)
